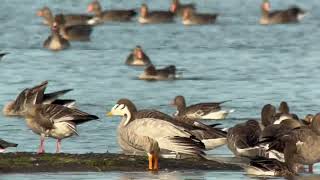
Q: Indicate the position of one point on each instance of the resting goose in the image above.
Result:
(149, 17)
(5, 144)
(199, 111)
(268, 113)
(36, 95)
(284, 113)
(300, 145)
(71, 19)
(291, 15)
(166, 73)
(153, 136)
(138, 58)
(108, 15)
(55, 41)
(190, 17)
(56, 121)
(177, 8)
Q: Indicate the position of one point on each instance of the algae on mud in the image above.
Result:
(31, 162)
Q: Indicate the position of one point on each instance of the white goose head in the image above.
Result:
(125, 108)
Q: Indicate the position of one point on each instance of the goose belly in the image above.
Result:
(62, 130)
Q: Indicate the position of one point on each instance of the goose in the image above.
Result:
(177, 8)
(55, 121)
(300, 145)
(153, 17)
(291, 15)
(108, 15)
(71, 19)
(190, 17)
(268, 113)
(138, 57)
(166, 73)
(152, 135)
(284, 113)
(5, 144)
(3, 54)
(55, 41)
(36, 95)
(201, 110)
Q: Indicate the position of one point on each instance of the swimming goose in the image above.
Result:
(190, 17)
(2, 54)
(291, 15)
(74, 32)
(108, 15)
(71, 19)
(5, 144)
(166, 73)
(177, 8)
(152, 135)
(138, 58)
(148, 17)
(300, 145)
(36, 95)
(55, 41)
(199, 111)
(56, 121)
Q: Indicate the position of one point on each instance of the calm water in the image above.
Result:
(235, 59)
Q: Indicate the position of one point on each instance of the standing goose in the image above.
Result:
(291, 15)
(71, 19)
(199, 111)
(211, 137)
(152, 136)
(150, 17)
(108, 15)
(74, 32)
(301, 145)
(36, 95)
(190, 17)
(56, 121)
(138, 58)
(5, 144)
(177, 8)
(55, 41)
(151, 73)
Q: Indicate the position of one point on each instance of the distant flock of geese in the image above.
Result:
(278, 144)
(78, 27)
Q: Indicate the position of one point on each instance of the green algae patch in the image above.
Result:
(31, 162)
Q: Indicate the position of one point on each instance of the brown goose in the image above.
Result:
(190, 17)
(56, 121)
(152, 135)
(268, 113)
(149, 17)
(73, 33)
(151, 73)
(301, 145)
(71, 19)
(5, 144)
(108, 15)
(55, 41)
(177, 8)
(35, 95)
(291, 15)
(138, 58)
(201, 110)
(284, 113)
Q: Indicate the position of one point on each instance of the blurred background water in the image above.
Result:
(236, 59)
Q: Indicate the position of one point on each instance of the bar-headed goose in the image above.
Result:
(153, 136)
(210, 110)
(56, 121)
(138, 58)
(36, 95)
(291, 15)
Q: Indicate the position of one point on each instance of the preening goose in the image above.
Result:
(36, 95)
(56, 121)
(153, 136)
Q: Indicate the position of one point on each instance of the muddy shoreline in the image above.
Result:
(25, 162)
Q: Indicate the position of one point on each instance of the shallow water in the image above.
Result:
(236, 59)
